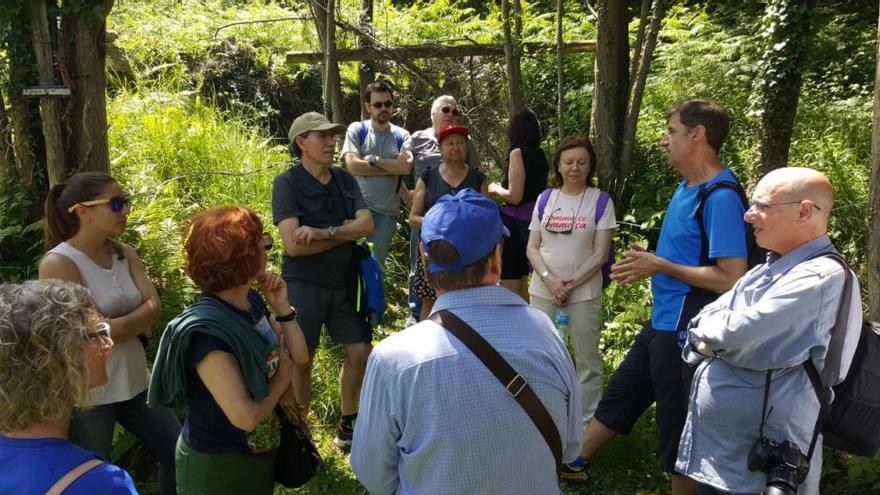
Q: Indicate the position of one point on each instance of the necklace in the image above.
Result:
(580, 202)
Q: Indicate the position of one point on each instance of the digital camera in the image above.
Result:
(785, 465)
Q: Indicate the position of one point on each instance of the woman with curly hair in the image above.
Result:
(227, 360)
(83, 214)
(53, 347)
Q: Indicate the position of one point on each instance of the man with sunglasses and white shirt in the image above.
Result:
(426, 155)
(377, 153)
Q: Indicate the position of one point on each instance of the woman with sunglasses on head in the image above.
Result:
(567, 248)
(53, 348)
(83, 214)
(523, 179)
(227, 360)
(450, 177)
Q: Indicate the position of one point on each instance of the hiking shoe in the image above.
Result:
(575, 472)
(343, 437)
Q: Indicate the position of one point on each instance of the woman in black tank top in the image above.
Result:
(523, 179)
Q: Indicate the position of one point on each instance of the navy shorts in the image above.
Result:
(652, 371)
(318, 306)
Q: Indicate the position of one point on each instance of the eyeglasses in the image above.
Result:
(761, 206)
(266, 241)
(117, 203)
(100, 334)
(380, 104)
(455, 112)
(569, 230)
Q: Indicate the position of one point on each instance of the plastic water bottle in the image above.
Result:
(561, 321)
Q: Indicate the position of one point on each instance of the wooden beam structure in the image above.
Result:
(368, 53)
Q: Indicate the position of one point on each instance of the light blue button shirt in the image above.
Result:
(433, 419)
(775, 318)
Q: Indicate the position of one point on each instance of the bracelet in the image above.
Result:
(288, 317)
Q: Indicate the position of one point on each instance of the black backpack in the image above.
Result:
(756, 254)
(851, 423)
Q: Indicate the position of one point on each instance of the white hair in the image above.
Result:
(438, 104)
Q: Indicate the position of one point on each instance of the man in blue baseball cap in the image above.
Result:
(433, 418)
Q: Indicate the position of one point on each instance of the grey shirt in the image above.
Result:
(380, 192)
(426, 152)
(776, 317)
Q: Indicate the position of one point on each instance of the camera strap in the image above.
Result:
(764, 412)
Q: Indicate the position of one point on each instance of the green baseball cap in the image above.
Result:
(313, 121)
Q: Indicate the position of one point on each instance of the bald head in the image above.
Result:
(790, 206)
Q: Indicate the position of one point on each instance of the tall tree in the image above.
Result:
(512, 19)
(324, 12)
(788, 34)
(560, 70)
(51, 108)
(873, 247)
(366, 69)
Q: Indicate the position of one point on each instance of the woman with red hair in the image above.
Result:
(227, 359)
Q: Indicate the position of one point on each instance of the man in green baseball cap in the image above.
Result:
(320, 213)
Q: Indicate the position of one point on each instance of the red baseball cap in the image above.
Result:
(448, 130)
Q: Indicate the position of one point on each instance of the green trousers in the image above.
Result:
(221, 474)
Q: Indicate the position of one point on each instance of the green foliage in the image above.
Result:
(21, 240)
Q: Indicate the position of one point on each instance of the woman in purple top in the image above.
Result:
(523, 179)
(53, 348)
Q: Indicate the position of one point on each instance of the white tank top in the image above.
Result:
(115, 295)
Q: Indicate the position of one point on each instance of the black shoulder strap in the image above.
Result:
(823, 382)
(702, 196)
(516, 384)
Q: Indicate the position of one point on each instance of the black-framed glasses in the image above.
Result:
(117, 203)
(569, 230)
(455, 112)
(380, 104)
(101, 333)
(762, 206)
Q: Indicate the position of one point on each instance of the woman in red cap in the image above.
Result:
(451, 176)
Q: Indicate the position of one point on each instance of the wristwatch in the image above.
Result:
(332, 231)
(373, 160)
(288, 317)
(544, 274)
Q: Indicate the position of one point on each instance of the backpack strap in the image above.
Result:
(362, 133)
(702, 196)
(600, 205)
(542, 202)
(398, 138)
(74, 474)
(822, 383)
(516, 384)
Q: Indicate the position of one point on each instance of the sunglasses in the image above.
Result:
(100, 334)
(455, 112)
(117, 203)
(380, 104)
(567, 231)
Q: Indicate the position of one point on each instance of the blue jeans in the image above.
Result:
(415, 302)
(384, 226)
(156, 428)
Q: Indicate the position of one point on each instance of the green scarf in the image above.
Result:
(168, 384)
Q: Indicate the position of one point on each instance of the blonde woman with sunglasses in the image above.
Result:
(83, 214)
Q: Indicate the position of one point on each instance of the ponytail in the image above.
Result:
(61, 224)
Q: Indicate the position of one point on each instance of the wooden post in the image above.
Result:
(409, 52)
(366, 69)
(50, 107)
(560, 71)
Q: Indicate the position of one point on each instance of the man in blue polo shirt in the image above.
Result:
(683, 280)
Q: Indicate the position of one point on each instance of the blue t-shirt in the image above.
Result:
(680, 241)
(207, 429)
(34, 465)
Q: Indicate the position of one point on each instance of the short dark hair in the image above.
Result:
(470, 276)
(524, 129)
(377, 87)
(707, 113)
(569, 143)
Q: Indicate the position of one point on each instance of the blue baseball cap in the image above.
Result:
(469, 221)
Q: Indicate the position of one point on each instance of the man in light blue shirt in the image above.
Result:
(433, 418)
(775, 318)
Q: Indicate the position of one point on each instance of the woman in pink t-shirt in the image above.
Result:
(567, 248)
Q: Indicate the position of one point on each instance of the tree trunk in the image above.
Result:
(560, 71)
(51, 108)
(873, 246)
(366, 69)
(23, 112)
(610, 91)
(787, 23)
(512, 52)
(642, 64)
(83, 33)
(7, 154)
(324, 12)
